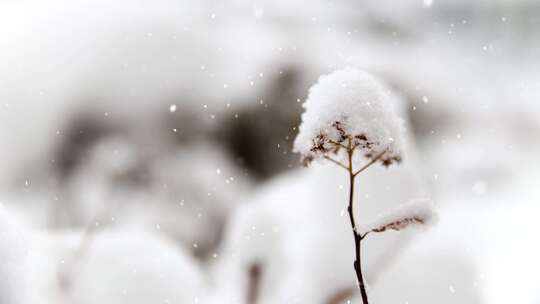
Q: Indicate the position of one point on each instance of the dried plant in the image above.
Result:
(350, 144)
(349, 114)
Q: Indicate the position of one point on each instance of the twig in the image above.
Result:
(338, 144)
(336, 162)
(357, 238)
(370, 163)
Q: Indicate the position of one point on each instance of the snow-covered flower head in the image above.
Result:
(350, 108)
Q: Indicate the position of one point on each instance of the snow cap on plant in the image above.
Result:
(350, 107)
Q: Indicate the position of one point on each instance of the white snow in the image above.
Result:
(362, 104)
(13, 260)
(137, 267)
(128, 266)
(129, 61)
(190, 208)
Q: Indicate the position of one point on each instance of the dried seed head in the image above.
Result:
(399, 224)
(350, 109)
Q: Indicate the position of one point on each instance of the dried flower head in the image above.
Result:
(348, 109)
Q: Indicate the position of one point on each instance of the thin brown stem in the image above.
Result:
(374, 160)
(254, 273)
(335, 143)
(336, 162)
(363, 236)
(357, 237)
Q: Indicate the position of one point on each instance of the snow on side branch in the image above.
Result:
(419, 212)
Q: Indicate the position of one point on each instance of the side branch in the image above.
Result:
(363, 236)
(370, 163)
(335, 143)
(336, 162)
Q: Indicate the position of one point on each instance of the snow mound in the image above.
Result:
(13, 260)
(137, 268)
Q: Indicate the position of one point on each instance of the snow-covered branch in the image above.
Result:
(415, 213)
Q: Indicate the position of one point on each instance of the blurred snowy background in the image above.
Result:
(145, 151)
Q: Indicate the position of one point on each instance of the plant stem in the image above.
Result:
(254, 273)
(357, 237)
